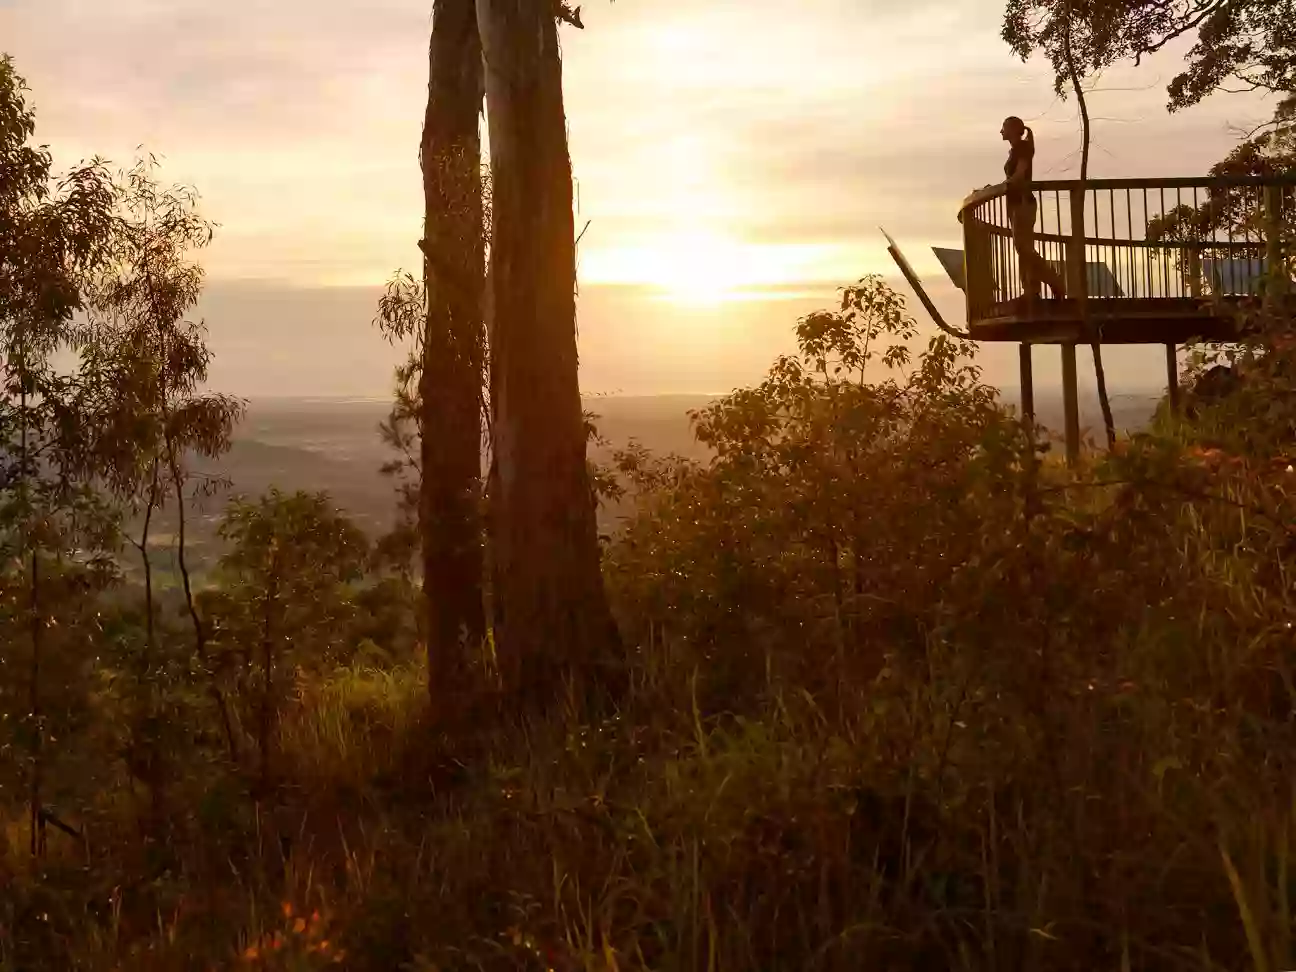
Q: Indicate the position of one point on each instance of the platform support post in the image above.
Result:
(1027, 384)
(1276, 285)
(1172, 376)
(1071, 404)
(978, 263)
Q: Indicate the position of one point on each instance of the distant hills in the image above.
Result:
(333, 445)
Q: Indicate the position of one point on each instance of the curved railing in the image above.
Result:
(1117, 240)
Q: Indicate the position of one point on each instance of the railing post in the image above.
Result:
(978, 277)
(1077, 278)
(1194, 270)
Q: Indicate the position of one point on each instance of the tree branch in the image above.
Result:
(1192, 23)
(568, 14)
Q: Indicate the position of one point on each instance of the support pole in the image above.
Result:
(1276, 284)
(978, 261)
(1027, 383)
(1071, 403)
(1172, 377)
(1031, 479)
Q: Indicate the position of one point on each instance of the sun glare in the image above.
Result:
(703, 267)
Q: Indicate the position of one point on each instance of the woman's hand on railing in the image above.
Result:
(981, 195)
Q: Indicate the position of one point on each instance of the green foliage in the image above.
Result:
(604, 482)
(1269, 151)
(56, 536)
(93, 685)
(797, 518)
(1258, 418)
(1240, 212)
(1242, 42)
(142, 359)
(298, 548)
(282, 602)
(49, 232)
(401, 315)
(901, 695)
(51, 236)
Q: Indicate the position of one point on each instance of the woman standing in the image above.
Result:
(1022, 209)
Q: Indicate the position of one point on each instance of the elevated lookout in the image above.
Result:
(1147, 261)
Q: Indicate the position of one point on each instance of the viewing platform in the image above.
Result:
(1146, 261)
(1165, 261)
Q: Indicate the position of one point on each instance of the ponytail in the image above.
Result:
(1012, 121)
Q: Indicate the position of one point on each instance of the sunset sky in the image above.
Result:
(734, 158)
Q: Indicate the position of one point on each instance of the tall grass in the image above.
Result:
(349, 725)
(899, 698)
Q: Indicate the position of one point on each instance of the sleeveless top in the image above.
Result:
(1022, 150)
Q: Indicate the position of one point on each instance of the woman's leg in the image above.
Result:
(1022, 220)
(1034, 268)
(1046, 272)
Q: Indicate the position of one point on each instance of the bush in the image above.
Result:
(904, 695)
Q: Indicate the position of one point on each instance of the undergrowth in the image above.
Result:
(904, 694)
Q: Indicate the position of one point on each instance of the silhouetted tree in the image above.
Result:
(282, 601)
(1074, 77)
(551, 612)
(1267, 152)
(452, 350)
(50, 236)
(143, 364)
(1247, 42)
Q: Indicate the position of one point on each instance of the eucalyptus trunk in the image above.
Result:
(450, 385)
(1086, 138)
(550, 610)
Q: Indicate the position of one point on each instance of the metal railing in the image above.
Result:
(1117, 240)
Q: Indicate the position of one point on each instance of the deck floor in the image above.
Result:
(1122, 320)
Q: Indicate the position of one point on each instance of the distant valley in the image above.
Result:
(334, 445)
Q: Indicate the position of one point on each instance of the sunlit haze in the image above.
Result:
(733, 158)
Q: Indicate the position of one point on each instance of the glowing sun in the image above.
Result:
(699, 267)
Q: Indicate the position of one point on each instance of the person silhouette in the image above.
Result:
(1022, 210)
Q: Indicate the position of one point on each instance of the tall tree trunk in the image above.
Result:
(178, 479)
(551, 612)
(1086, 135)
(450, 385)
(268, 702)
(36, 623)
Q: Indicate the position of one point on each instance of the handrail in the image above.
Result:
(1212, 245)
(1103, 234)
(987, 193)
